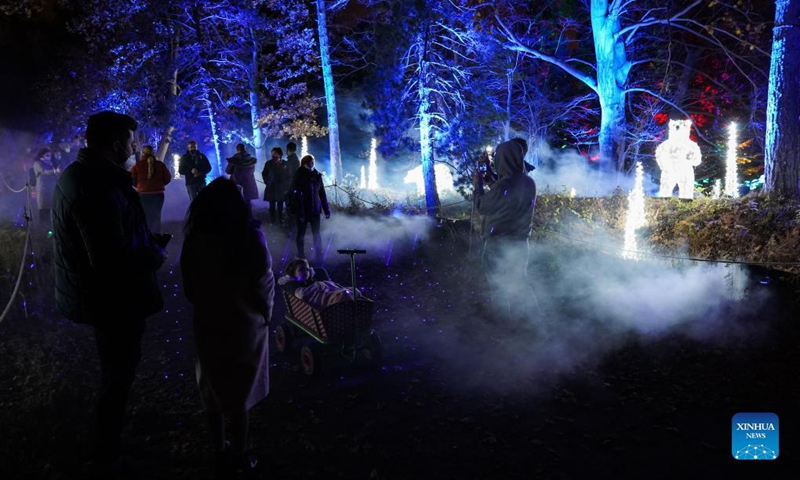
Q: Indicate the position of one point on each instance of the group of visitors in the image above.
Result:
(292, 183)
(303, 195)
(108, 249)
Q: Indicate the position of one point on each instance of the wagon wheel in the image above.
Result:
(372, 348)
(283, 338)
(311, 359)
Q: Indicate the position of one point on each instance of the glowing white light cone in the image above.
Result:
(303, 147)
(717, 192)
(731, 180)
(373, 166)
(572, 192)
(444, 179)
(363, 182)
(176, 161)
(635, 218)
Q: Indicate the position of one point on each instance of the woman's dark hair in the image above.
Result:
(42, 152)
(220, 208)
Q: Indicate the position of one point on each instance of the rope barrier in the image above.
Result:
(22, 263)
(672, 257)
(12, 188)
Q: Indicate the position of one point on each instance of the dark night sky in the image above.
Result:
(28, 47)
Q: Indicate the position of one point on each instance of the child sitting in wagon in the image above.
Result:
(316, 290)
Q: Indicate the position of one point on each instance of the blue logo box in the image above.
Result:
(754, 436)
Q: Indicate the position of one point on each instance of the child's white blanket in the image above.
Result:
(321, 294)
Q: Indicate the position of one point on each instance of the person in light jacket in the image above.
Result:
(150, 177)
(46, 171)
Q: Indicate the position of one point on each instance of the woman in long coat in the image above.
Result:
(227, 276)
(277, 181)
(46, 178)
(241, 167)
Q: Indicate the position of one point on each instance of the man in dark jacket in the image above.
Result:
(194, 166)
(292, 160)
(310, 201)
(105, 263)
(507, 211)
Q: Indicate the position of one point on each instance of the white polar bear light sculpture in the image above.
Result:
(444, 179)
(677, 156)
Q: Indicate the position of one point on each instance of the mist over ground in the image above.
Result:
(579, 306)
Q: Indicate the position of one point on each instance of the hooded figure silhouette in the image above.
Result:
(507, 210)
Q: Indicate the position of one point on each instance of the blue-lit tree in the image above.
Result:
(327, 77)
(118, 66)
(135, 57)
(287, 61)
(623, 35)
(424, 71)
(172, 62)
(782, 167)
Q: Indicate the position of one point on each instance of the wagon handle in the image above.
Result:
(352, 254)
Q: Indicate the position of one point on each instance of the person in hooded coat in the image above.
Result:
(507, 210)
(241, 167)
(310, 202)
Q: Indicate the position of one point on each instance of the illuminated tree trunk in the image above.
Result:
(782, 167)
(425, 150)
(612, 75)
(509, 99)
(205, 98)
(170, 99)
(166, 137)
(209, 107)
(258, 134)
(330, 94)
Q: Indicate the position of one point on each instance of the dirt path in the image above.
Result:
(456, 396)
